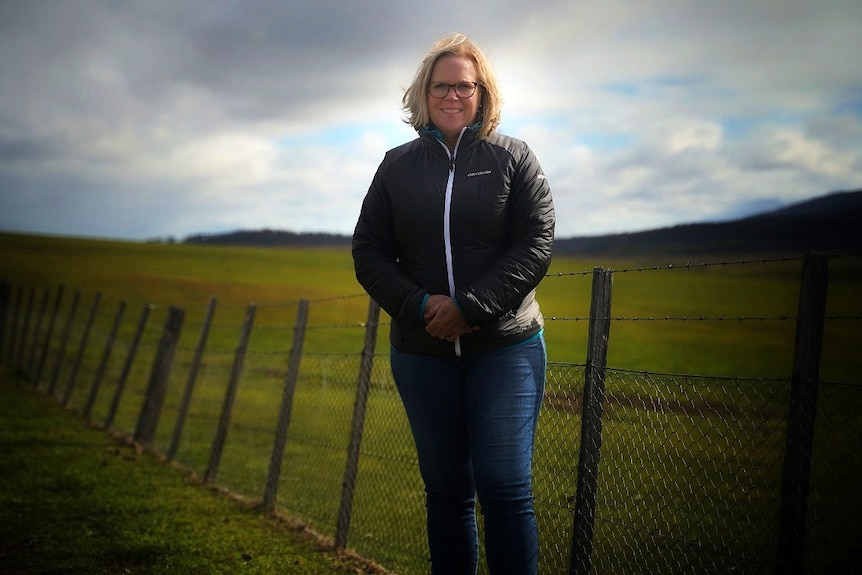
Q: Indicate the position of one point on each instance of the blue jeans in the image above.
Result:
(474, 422)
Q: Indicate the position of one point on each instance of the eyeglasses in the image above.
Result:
(462, 89)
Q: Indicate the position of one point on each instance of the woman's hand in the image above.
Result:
(444, 320)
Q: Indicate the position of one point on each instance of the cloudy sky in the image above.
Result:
(166, 118)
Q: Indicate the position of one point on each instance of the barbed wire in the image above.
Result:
(358, 324)
(719, 318)
(314, 300)
(690, 266)
(857, 316)
(684, 266)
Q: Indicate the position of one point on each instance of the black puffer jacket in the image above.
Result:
(477, 225)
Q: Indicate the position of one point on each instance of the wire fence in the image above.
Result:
(636, 471)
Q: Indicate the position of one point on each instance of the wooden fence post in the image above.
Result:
(5, 290)
(127, 366)
(25, 329)
(64, 342)
(363, 385)
(190, 382)
(804, 383)
(82, 347)
(271, 489)
(106, 355)
(591, 423)
(230, 396)
(31, 361)
(49, 334)
(13, 331)
(148, 419)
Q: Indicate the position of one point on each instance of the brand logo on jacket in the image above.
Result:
(485, 173)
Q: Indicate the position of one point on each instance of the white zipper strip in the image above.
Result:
(447, 216)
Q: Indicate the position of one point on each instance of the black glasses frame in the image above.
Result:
(438, 87)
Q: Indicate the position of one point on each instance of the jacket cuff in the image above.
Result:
(466, 308)
(422, 306)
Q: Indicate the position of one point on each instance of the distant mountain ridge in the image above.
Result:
(828, 223)
(832, 222)
(269, 237)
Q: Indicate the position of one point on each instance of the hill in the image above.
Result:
(268, 237)
(830, 223)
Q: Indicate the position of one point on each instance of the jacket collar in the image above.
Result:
(430, 132)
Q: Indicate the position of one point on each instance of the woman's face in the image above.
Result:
(452, 112)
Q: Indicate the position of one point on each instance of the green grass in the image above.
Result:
(700, 476)
(75, 500)
(759, 345)
(275, 279)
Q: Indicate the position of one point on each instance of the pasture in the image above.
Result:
(691, 472)
(730, 320)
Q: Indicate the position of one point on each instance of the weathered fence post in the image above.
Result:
(127, 366)
(271, 489)
(106, 355)
(805, 382)
(46, 345)
(13, 331)
(5, 290)
(64, 342)
(31, 361)
(4, 312)
(362, 387)
(82, 347)
(25, 329)
(190, 382)
(230, 395)
(148, 419)
(591, 423)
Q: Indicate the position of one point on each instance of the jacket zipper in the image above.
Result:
(447, 216)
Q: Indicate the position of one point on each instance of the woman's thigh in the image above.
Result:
(432, 392)
(504, 393)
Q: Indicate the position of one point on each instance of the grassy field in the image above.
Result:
(760, 344)
(75, 500)
(697, 473)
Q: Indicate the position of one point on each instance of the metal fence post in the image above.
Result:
(46, 345)
(230, 395)
(64, 342)
(82, 347)
(106, 355)
(148, 419)
(804, 383)
(127, 366)
(362, 386)
(591, 423)
(190, 382)
(271, 489)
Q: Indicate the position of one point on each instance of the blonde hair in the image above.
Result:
(415, 100)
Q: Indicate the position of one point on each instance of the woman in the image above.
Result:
(454, 235)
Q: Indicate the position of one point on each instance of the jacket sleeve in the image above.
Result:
(526, 260)
(375, 259)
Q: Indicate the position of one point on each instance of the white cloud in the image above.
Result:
(258, 114)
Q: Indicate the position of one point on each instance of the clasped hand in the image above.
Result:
(444, 320)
